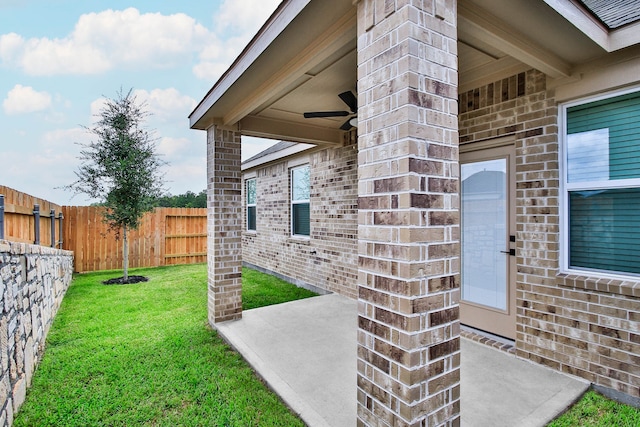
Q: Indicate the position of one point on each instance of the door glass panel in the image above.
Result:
(484, 233)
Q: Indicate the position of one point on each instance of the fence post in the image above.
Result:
(52, 215)
(60, 217)
(1, 216)
(36, 223)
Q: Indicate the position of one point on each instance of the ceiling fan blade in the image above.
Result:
(317, 114)
(346, 125)
(350, 99)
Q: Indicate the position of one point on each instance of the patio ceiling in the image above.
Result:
(306, 54)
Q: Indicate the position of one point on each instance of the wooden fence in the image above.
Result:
(28, 219)
(166, 236)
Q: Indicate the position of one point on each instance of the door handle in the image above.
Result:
(511, 252)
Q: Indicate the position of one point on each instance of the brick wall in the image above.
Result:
(328, 259)
(33, 281)
(585, 326)
(409, 234)
(224, 245)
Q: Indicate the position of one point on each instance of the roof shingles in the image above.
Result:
(614, 13)
(273, 149)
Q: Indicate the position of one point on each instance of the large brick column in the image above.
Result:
(409, 250)
(224, 225)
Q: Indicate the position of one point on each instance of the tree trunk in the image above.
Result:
(125, 254)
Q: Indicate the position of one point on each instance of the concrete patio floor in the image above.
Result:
(306, 351)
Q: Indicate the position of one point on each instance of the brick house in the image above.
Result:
(491, 181)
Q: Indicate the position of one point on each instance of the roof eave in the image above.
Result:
(609, 40)
(286, 12)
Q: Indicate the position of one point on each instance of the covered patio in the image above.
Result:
(412, 69)
(306, 352)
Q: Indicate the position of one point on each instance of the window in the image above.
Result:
(300, 189)
(602, 185)
(251, 204)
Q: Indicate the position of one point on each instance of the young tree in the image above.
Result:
(120, 167)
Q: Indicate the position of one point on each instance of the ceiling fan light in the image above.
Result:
(354, 122)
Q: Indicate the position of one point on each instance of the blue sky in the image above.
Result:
(60, 58)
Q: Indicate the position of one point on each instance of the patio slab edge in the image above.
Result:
(269, 377)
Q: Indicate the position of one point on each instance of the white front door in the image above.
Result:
(487, 192)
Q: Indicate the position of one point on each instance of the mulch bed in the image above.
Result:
(121, 281)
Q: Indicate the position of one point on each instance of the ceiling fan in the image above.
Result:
(352, 102)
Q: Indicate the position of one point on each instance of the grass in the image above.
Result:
(143, 355)
(595, 410)
(259, 290)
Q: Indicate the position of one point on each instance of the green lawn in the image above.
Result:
(143, 355)
(595, 410)
(260, 290)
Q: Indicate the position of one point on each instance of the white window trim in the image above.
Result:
(295, 202)
(249, 205)
(577, 186)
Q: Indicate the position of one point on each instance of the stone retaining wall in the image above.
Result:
(33, 281)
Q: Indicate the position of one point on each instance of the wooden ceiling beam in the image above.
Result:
(289, 131)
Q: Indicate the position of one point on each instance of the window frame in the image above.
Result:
(251, 205)
(296, 202)
(565, 188)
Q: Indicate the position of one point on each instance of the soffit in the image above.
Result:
(538, 24)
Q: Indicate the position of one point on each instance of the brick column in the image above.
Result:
(409, 249)
(224, 225)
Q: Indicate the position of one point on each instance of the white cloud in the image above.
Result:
(10, 46)
(237, 21)
(186, 163)
(189, 175)
(49, 165)
(65, 139)
(183, 150)
(18, 173)
(214, 61)
(126, 38)
(96, 107)
(24, 99)
(166, 103)
(210, 70)
(169, 148)
(244, 16)
(67, 56)
(109, 39)
(52, 161)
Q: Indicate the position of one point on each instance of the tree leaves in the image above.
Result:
(186, 200)
(120, 167)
